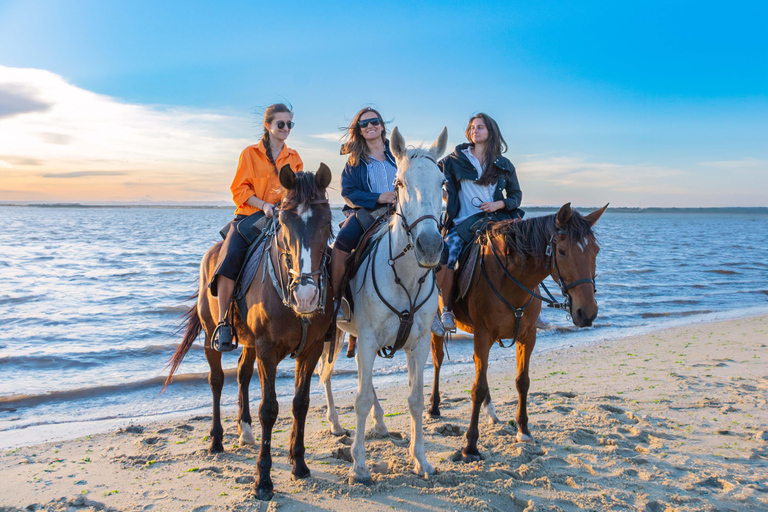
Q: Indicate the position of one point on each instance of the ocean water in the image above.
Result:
(90, 299)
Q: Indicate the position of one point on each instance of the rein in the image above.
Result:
(285, 289)
(550, 301)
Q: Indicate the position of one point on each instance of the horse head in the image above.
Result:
(419, 186)
(305, 228)
(573, 251)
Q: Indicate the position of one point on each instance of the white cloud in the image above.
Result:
(330, 137)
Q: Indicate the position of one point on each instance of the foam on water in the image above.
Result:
(89, 305)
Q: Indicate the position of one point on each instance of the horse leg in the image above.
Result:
(267, 417)
(479, 391)
(363, 402)
(244, 374)
(325, 370)
(437, 362)
(523, 382)
(417, 358)
(216, 381)
(305, 365)
(378, 416)
(490, 410)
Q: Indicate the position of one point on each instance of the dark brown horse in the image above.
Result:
(562, 246)
(297, 256)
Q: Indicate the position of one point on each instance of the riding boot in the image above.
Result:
(338, 269)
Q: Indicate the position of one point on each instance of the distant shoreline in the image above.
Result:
(752, 210)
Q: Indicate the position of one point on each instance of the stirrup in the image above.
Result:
(437, 326)
(343, 311)
(224, 338)
(448, 321)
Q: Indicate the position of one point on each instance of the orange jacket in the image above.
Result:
(256, 176)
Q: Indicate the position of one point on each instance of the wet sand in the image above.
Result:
(673, 420)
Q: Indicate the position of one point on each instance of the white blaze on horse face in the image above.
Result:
(306, 295)
(583, 244)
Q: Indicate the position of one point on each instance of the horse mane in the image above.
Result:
(530, 237)
(302, 194)
(415, 153)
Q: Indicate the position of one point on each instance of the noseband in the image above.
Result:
(406, 226)
(552, 261)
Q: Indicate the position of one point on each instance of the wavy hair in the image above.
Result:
(495, 146)
(355, 145)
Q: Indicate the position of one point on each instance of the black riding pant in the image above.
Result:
(231, 255)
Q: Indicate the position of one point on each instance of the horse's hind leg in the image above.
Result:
(216, 381)
(378, 416)
(325, 370)
(479, 390)
(523, 382)
(417, 358)
(437, 362)
(363, 402)
(490, 410)
(244, 374)
(305, 365)
(267, 416)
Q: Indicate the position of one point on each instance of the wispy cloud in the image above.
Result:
(330, 137)
(83, 174)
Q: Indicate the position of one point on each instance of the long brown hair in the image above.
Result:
(495, 146)
(355, 146)
(269, 116)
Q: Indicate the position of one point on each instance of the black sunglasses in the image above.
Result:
(282, 124)
(364, 122)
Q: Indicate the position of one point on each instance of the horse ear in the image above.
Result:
(438, 147)
(593, 217)
(323, 176)
(397, 144)
(287, 177)
(564, 215)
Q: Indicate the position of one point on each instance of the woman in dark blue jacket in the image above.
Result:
(478, 181)
(367, 181)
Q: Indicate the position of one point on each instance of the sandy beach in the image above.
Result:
(673, 420)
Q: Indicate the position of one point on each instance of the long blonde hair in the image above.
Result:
(355, 146)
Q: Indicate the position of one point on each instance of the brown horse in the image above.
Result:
(562, 246)
(297, 256)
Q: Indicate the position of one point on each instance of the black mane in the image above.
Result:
(303, 193)
(531, 236)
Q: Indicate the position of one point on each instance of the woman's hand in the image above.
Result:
(491, 207)
(387, 198)
(268, 209)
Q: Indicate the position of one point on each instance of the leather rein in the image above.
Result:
(551, 302)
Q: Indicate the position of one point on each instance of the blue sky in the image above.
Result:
(650, 104)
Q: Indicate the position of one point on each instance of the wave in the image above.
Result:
(19, 300)
(722, 271)
(671, 314)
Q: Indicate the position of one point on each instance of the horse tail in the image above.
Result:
(194, 326)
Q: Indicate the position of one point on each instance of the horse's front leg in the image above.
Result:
(216, 381)
(305, 365)
(267, 417)
(417, 358)
(366, 354)
(437, 362)
(378, 416)
(325, 370)
(524, 350)
(490, 409)
(244, 374)
(483, 343)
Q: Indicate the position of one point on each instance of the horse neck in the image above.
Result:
(531, 272)
(408, 269)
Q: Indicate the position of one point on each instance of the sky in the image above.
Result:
(633, 103)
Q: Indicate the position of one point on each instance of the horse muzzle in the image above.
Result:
(306, 298)
(428, 247)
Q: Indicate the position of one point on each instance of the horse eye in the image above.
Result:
(562, 252)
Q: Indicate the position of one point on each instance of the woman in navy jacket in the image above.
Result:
(367, 181)
(478, 180)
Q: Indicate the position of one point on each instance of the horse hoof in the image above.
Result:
(367, 481)
(246, 434)
(434, 413)
(300, 476)
(524, 438)
(340, 432)
(216, 448)
(264, 494)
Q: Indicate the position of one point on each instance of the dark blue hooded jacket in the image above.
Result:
(356, 186)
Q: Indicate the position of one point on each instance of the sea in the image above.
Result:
(91, 299)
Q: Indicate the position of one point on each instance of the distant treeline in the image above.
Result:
(753, 210)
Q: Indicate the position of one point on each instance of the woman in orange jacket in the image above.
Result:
(255, 190)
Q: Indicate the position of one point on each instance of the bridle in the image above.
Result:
(552, 265)
(286, 286)
(406, 316)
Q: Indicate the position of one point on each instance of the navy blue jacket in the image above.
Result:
(356, 186)
(457, 167)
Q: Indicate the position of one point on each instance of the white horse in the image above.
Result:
(409, 247)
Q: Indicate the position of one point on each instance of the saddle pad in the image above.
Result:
(467, 264)
(249, 272)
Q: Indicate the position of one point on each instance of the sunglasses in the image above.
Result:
(364, 123)
(283, 124)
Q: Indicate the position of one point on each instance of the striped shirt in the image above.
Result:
(381, 175)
